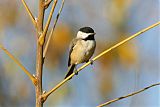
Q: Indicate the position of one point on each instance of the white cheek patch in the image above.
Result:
(82, 35)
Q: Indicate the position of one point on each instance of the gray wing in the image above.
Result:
(73, 43)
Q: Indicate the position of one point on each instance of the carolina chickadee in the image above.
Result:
(82, 48)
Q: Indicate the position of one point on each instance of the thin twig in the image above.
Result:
(47, 3)
(44, 96)
(42, 37)
(129, 95)
(29, 13)
(32, 78)
(52, 30)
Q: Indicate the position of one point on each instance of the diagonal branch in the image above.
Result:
(43, 35)
(129, 95)
(52, 30)
(29, 13)
(32, 78)
(45, 95)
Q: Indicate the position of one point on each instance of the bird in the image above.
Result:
(81, 48)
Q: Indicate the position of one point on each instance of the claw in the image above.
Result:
(76, 72)
(91, 61)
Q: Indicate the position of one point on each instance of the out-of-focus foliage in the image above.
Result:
(113, 75)
(58, 45)
(118, 16)
(8, 13)
(127, 54)
(119, 10)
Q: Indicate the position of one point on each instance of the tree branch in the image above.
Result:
(29, 13)
(47, 3)
(129, 95)
(32, 78)
(45, 95)
(39, 54)
(52, 30)
(43, 35)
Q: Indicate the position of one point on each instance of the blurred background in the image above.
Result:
(126, 69)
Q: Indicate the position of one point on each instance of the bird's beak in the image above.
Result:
(93, 33)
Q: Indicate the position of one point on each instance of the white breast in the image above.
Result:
(89, 47)
(89, 44)
(82, 51)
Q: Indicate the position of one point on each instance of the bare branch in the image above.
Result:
(43, 35)
(44, 96)
(39, 54)
(47, 3)
(52, 30)
(32, 78)
(29, 13)
(129, 95)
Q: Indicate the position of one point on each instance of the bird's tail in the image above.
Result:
(70, 70)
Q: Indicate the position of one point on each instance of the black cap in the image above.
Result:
(86, 30)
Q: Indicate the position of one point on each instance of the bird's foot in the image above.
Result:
(76, 72)
(91, 61)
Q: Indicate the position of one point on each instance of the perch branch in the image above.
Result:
(129, 95)
(45, 95)
(43, 35)
(32, 78)
(29, 13)
(52, 30)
